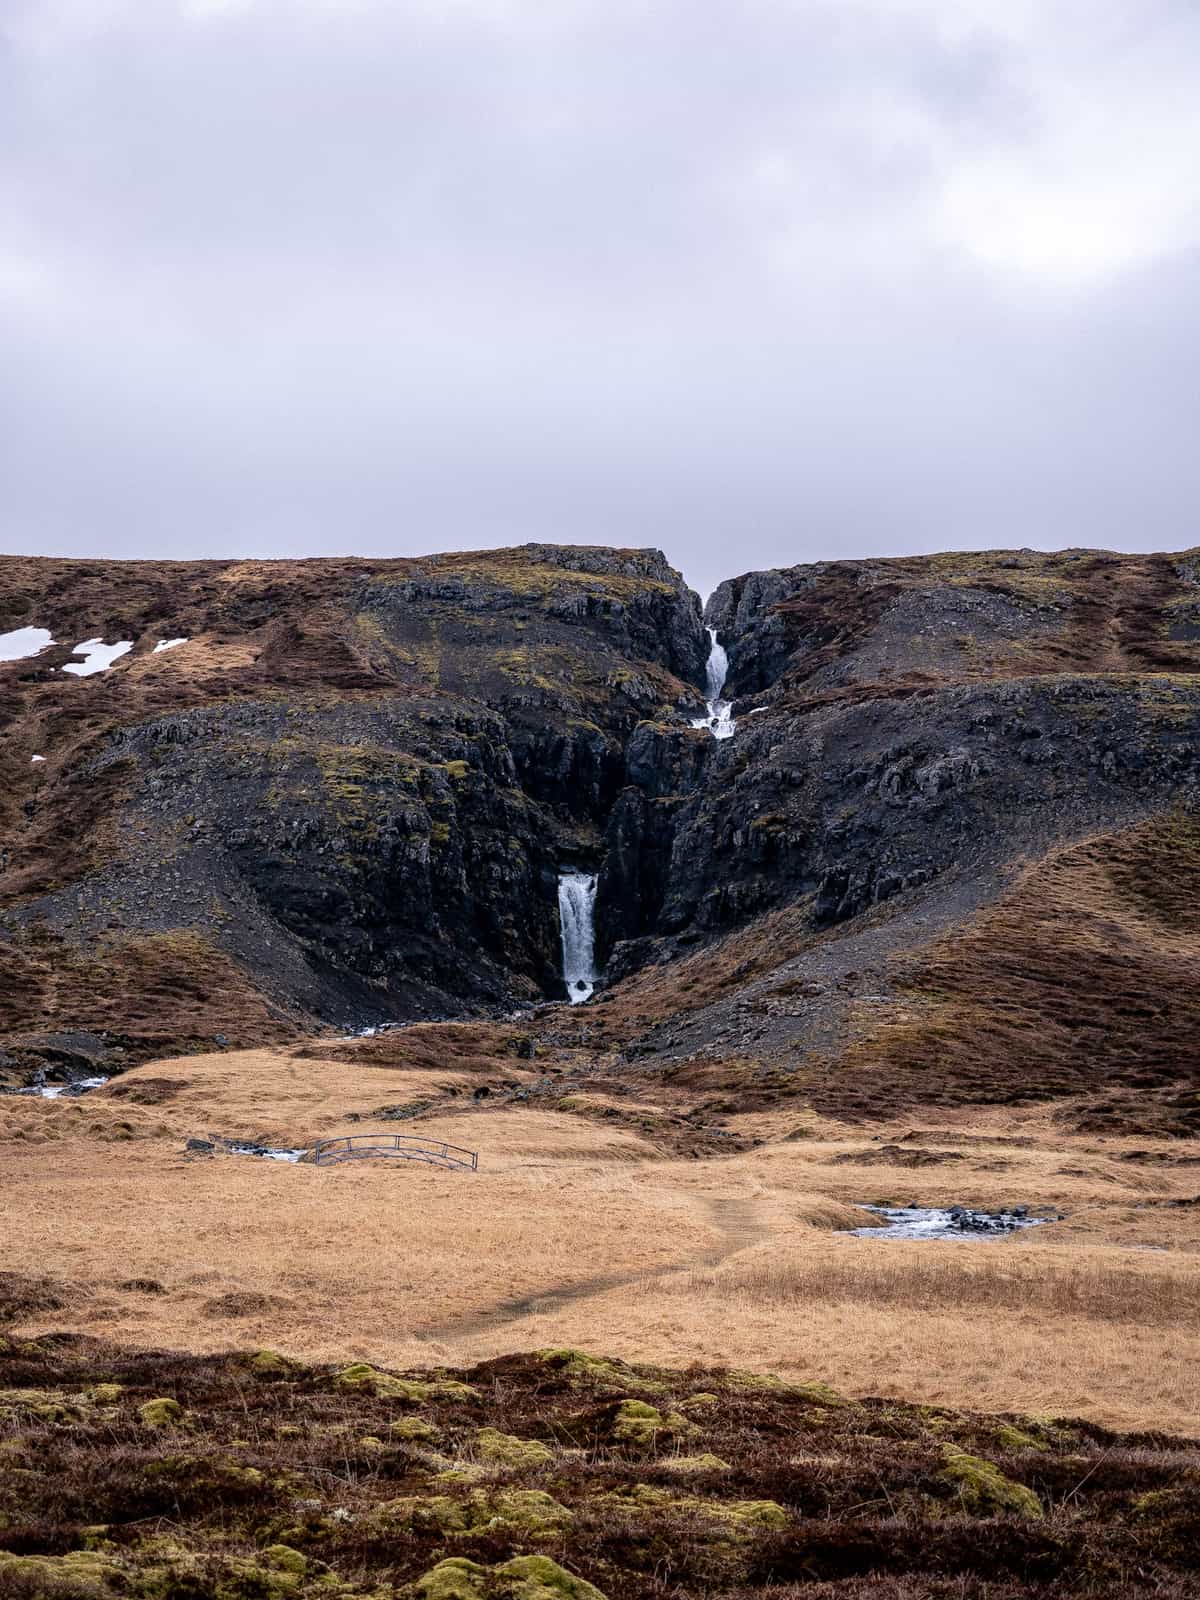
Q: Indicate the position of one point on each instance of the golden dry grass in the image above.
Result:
(201, 654)
(578, 1232)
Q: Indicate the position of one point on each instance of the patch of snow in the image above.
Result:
(166, 644)
(37, 758)
(24, 642)
(98, 656)
(757, 711)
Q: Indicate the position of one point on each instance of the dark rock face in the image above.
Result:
(856, 802)
(663, 764)
(384, 840)
(915, 717)
(754, 633)
(572, 647)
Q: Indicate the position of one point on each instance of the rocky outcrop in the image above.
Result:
(385, 841)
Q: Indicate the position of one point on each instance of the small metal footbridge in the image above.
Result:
(393, 1146)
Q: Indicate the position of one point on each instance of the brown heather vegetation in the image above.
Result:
(555, 1476)
(697, 979)
(1084, 979)
(1090, 612)
(146, 994)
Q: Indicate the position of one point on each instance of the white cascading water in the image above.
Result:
(576, 905)
(719, 720)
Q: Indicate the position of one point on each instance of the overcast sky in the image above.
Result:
(757, 282)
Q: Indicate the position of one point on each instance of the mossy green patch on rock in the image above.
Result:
(523, 1578)
(79, 1575)
(725, 1518)
(205, 1476)
(1012, 1438)
(267, 1578)
(105, 1394)
(46, 1405)
(359, 1376)
(983, 1489)
(699, 1402)
(599, 1370)
(362, 1378)
(699, 1463)
(455, 1579)
(415, 1429)
(452, 1389)
(819, 1393)
(162, 1413)
(539, 1578)
(283, 1557)
(507, 1450)
(466, 1472)
(639, 1426)
(526, 1513)
(269, 1363)
(521, 1513)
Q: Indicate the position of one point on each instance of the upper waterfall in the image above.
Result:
(719, 720)
(576, 905)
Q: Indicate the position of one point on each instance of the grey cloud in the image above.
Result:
(732, 279)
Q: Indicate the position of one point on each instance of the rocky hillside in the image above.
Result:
(345, 797)
(949, 853)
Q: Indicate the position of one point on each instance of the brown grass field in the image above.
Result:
(578, 1232)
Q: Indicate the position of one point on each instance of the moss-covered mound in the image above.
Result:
(522, 1479)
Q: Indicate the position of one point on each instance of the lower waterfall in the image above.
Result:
(576, 905)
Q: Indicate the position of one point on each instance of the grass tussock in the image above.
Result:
(926, 1280)
(23, 1295)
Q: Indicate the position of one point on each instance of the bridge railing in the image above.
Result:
(406, 1146)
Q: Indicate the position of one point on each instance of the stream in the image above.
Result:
(953, 1222)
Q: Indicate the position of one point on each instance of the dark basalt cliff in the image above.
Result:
(348, 797)
(353, 787)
